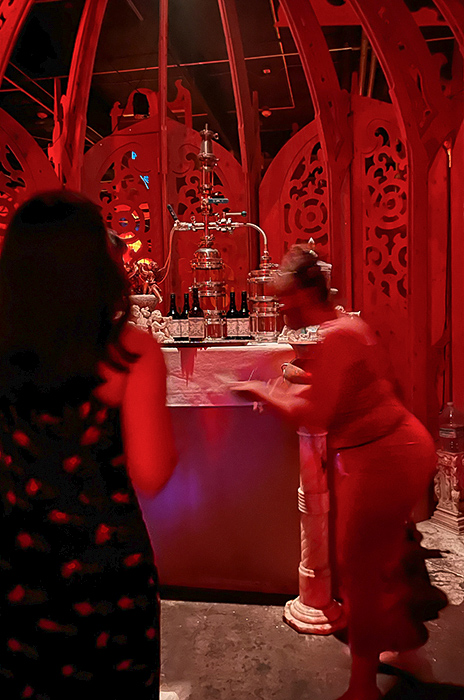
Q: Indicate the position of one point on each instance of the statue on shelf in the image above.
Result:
(144, 278)
(160, 327)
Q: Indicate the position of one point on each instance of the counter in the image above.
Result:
(228, 518)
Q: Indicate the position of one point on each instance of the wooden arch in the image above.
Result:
(13, 14)
(331, 106)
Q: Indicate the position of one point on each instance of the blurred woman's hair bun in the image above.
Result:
(306, 269)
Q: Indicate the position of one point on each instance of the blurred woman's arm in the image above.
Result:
(312, 406)
(146, 423)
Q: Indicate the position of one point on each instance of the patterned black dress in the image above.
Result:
(79, 599)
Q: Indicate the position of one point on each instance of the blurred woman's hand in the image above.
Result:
(294, 374)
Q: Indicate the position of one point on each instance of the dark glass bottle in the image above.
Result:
(244, 319)
(174, 319)
(184, 314)
(196, 319)
(232, 317)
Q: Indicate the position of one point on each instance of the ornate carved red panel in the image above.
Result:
(294, 195)
(122, 173)
(380, 226)
(24, 168)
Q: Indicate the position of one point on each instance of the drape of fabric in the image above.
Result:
(79, 601)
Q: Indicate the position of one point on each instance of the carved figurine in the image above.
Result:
(144, 277)
(160, 328)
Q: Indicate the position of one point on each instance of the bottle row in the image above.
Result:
(194, 324)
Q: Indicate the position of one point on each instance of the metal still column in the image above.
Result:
(314, 611)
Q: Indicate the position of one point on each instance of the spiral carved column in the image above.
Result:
(314, 611)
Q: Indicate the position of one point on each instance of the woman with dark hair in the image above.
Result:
(384, 460)
(82, 422)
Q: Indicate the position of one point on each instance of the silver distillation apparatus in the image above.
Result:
(208, 265)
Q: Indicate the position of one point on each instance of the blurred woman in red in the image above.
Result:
(385, 460)
(82, 422)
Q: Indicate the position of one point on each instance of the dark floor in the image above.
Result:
(229, 651)
(219, 651)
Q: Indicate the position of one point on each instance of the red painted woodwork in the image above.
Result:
(294, 195)
(121, 173)
(413, 74)
(380, 193)
(457, 256)
(182, 103)
(331, 107)
(426, 117)
(331, 15)
(247, 118)
(453, 12)
(67, 151)
(439, 279)
(12, 16)
(117, 180)
(163, 108)
(24, 168)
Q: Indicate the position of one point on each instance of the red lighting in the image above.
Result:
(266, 112)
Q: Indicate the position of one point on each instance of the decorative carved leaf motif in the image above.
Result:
(125, 200)
(305, 200)
(385, 203)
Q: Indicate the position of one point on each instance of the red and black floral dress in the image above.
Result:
(79, 604)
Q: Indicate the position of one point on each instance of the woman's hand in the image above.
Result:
(287, 399)
(250, 391)
(295, 374)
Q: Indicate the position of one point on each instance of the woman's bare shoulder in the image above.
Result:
(148, 354)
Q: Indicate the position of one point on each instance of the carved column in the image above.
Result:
(314, 611)
(449, 489)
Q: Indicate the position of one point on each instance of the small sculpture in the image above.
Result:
(135, 315)
(160, 327)
(144, 276)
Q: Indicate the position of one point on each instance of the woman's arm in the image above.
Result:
(146, 423)
(314, 406)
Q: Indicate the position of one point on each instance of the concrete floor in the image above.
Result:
(228, 651)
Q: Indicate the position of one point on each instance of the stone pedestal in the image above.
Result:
(314, 611)
(449, 489)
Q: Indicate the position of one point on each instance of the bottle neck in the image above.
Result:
(186, 308)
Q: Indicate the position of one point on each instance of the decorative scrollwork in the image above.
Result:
(125, 199)
(305, 200)
(385, 205)
(24, 169)
(449, 482)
